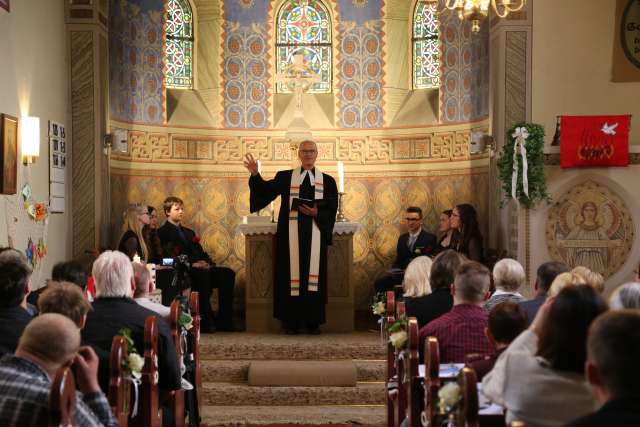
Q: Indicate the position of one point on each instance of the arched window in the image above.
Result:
(178, 53)
(426, 49)
(304, 27)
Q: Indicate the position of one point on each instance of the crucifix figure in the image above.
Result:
(298, 77)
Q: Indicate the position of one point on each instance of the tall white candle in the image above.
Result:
(259, 167)
(341, 177)
(136, 258)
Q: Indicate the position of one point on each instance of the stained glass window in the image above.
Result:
(304, 27)
(178, 53)
(426, 49)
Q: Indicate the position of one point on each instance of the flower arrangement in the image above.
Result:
(521, 165)
(196, 239)
(398, 336)
(185, 321)
(378, 306)
(449, 398)
(134, 363)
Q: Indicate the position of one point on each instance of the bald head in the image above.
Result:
(51, 338)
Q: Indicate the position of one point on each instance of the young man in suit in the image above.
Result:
(204, 274)
(413, 243)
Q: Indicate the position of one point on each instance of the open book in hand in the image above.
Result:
(296, 202)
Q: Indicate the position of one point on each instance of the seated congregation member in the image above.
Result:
(467, 238)
(67, 299)
(440, 300)
(539, 379)
(114, 309)
(413, 243)
(613, 351)
(545, 276)
(506, 321)
(508, 277)
(15, 274)
(416, 287)
(49, 342)
(65, 271)
(131, 241)
(445, 230)
(591, 278)
(144, 286)
(462, 330)
(563, 280)
(625, 296)
(205, 275)
(151, 238)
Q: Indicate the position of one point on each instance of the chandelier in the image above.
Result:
(476, 10)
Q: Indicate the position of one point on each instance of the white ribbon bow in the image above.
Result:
(136, 382)
(520, 134)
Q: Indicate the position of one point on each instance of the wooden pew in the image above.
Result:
(62, 399)
(467, 414)
(148, 403)
(118, 389)
(194, 335)
(390, 381)
(176, 400)
(415, 390)
(431, 381)
(400, 401)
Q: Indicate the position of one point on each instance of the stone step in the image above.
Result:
(235, 371)
(233, 394)
(367, 415)
(253, 346)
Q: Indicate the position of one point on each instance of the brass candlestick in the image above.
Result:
(340, 217)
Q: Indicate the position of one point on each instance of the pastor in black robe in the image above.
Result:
(309, 307)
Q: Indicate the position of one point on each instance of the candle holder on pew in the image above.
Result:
(340, 217)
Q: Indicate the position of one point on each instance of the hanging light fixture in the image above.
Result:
(476, 10)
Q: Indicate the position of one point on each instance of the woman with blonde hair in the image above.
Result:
(590, 277)
(563, 280)
(508, 276)
(131, 238)
(416, 286)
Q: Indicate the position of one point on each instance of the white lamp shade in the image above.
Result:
(30, 136)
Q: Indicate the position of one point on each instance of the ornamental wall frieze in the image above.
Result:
(435, 146)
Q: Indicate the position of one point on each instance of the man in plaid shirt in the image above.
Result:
(462, 330)
(49, 342)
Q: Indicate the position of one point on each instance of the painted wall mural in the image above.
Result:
(136, 82)
(590, 225)
(464, 90)
(245, 71)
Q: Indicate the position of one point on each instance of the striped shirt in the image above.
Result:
(460, 332)
(24, 398)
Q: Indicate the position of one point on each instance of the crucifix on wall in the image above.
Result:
(298, 77)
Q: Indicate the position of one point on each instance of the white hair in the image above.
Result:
(113, 273)
(625, 296)
(508, 275)
(416, 277)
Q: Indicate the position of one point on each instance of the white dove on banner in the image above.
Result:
(609, 129)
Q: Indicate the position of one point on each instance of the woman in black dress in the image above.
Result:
(131, 239)
(445, 229)
(467, 238)
(151, 238)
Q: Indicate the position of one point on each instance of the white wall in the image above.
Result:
(34, 81)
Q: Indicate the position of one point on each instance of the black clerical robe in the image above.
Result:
(308, 307)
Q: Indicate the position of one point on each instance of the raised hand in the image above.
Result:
(86, 363)
(251, 164)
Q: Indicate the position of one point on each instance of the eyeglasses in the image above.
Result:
(308, 152)
(413, 219)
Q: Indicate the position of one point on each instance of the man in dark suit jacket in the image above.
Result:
(204, 274)
(14, 287)
(613, 351)
(546, 274)
(414, 243)
(114, 309)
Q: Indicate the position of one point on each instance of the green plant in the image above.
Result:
(537, 186)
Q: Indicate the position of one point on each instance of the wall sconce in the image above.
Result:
(30, 139)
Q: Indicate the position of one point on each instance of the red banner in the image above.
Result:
(594, 141)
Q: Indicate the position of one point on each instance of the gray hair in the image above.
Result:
(416, 277)
(113, 273)
(14, 256)
(625, 296)
(508, 275)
